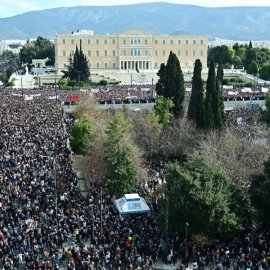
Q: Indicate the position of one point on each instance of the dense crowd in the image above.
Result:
(124, 93)
(45, 223)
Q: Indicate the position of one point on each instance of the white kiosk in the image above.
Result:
(131, 204)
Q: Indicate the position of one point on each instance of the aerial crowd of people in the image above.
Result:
(46, 223)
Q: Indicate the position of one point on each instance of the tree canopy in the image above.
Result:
(82, 133)
(41, 48)
(171, 83)
(78, 68)
(196, 104)
(260, 188)
(214, 106)
(122, 172)
(199, 194)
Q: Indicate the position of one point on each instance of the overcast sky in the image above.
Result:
(14, 7)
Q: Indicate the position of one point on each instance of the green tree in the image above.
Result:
(82, 133)
(161, 81)
(209, 100)
(196, 103)
(265, 72)
(250, 57)
(221, 54)
(122, 172)
(253, 68)
(77, 68)
(41, 48)
(259, 189)
(214, 107)
(8, 55)
(220, 72)
(199, 194)
(174, 84)
(267, 110)
(162, 111)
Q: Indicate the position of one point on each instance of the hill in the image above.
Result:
(238, 23)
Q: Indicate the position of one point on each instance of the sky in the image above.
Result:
(14, 7)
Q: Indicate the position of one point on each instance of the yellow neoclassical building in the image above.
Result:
(131, 52)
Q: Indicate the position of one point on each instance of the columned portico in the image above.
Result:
(135, 63)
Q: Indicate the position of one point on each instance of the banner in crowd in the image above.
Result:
(94, 90)
(232, 93)
(227, 86)
(144, 89)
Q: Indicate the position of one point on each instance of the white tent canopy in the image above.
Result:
(131, 204)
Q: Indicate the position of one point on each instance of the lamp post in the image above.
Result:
(253, 227)
(55, 89)
(186, 246)
(101, 213)
(52, 155)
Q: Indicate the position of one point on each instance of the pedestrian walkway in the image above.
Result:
(83, 188)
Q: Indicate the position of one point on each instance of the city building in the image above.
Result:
(134, 52)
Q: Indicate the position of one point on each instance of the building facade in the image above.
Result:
(130, 51)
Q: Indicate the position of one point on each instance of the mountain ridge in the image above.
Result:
(238, 23)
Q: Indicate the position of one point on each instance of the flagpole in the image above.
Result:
(186, 248)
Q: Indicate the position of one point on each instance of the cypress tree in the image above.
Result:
(220, 72)
(160, 84)
(78, 68)
(174, 84)
(210, 99)
(214, 106)
(196, 103)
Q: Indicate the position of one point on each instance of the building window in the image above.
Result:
(72, 53)
(89, 53)
(156, 65)
(178, 53)
(194, 53)
(97, 41)
(106, 65)
(179, 41)
(64, 41)
(105, 53)
(164, 41)
(201, 53)
(163, 53)
(194, 42)
(124, 41)
(89, 41)
(97, 65)
(72, 41)
(97, 53)
(89, 65)
(125, 53)
(186, 64)
(171, 42)
(113, 41)
(105, 42)
(186, 53)
(186, 42)
(113, 52)
(202, 42)
(135, 52)
(113, 64)
(156, 41)
(156, 53)
(145, 41)
(64, 53)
